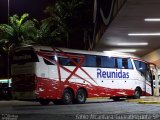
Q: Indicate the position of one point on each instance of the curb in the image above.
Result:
(134, 100)
(149, 102)
(144, 101)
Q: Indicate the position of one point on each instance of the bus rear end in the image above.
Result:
(23, 73)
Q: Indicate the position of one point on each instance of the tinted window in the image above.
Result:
(144, 69)
(90, 61)
(24, 56)
(124, 63)
(68, 61)
(64, 61)
(52, 58)
(108, 62)
(141, 66)
(119, 62)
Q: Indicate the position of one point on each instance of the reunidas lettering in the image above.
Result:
(112, 74)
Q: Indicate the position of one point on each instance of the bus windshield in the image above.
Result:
(143, 68)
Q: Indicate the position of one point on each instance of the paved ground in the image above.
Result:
(93, 109)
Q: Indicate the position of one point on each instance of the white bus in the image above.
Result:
(70, 76)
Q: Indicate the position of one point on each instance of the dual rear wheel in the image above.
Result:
(68, 98)
(81, 96)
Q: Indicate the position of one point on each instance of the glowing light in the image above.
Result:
(125, 50)
(152, 19)
(132, 44)
(144, 34)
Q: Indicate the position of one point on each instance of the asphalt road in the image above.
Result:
(92, 110)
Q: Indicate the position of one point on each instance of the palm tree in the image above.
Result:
(62, 14)
(19, 31)
(48, 32)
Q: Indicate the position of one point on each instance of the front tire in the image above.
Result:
(81, 96)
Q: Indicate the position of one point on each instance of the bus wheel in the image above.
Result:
(44, 101)
(137, 94)
(67, 97)
(81, 96)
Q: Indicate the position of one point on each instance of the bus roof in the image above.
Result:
(106, 53)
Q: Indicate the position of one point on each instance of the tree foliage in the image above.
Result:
(19, 31)
(64, 14)
(67, 22)
(48, 32)
(66, 25)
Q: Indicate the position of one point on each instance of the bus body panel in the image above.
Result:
(47, 79)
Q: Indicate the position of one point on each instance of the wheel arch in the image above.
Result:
(139, 88)
(137, 92)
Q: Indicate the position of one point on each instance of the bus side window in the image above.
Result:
(68, 61)
(119, 63)
(48, 62)
(103, 62)
(90, 61)
(63, 61)
(76, 61)
(124, 63)
(108, 62)
(111, 62)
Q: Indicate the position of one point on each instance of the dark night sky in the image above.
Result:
(33, 7)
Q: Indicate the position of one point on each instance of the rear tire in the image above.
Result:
(67, 97)
(81, 96)
(44, 101)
